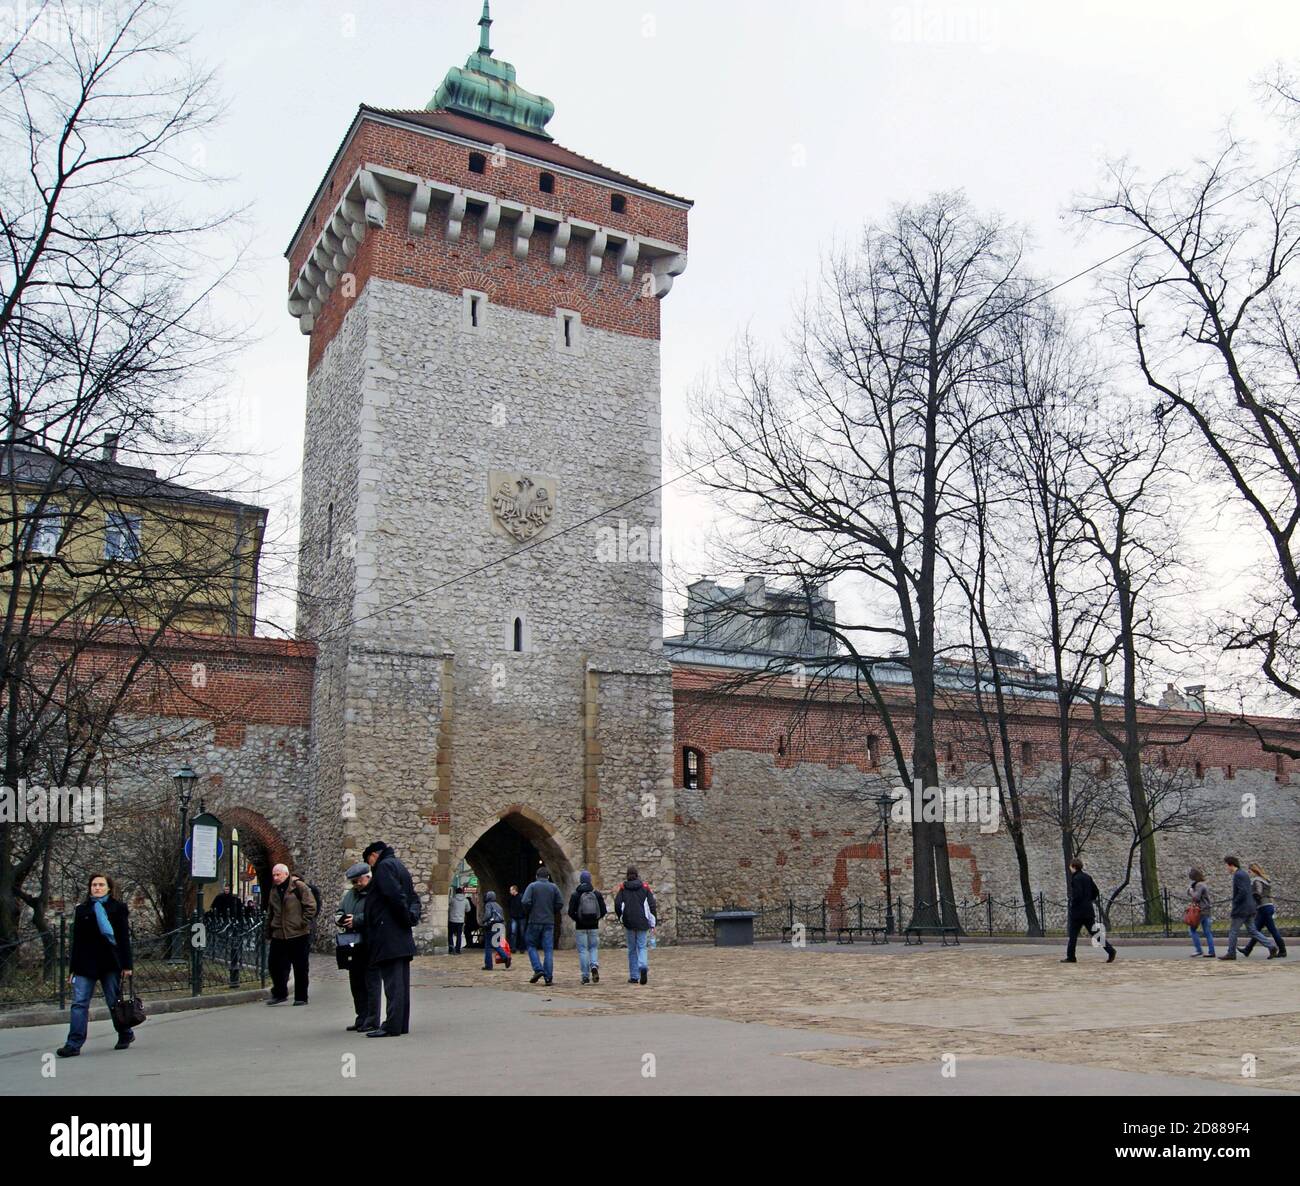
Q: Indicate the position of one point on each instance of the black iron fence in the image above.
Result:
(203, 956)
(993, 917)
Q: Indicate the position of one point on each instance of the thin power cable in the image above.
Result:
(488, 566)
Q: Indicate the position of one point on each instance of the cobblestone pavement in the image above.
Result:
(1153, 1010)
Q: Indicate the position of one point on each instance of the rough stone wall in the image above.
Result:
(431, 682)
(767, 827)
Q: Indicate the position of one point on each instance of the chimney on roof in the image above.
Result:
(755, 587)
(110, 446)
(1196, 694)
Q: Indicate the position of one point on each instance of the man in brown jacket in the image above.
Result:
(290, 908)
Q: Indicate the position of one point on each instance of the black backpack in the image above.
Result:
(315, 893)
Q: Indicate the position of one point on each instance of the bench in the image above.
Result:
(878, 934)
(810, 930)
(943, 933)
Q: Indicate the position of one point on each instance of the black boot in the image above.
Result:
(1110, 954)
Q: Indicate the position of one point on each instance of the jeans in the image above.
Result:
(637, 946)
(588, 952)
(455, 938)
(83, 988)
(492, 937)
(540, 935)
(517, 939)
(1209, 935)
(1256, 935)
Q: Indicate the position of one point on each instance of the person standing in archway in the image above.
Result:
(516, 918)
(392, 912)
(542, 901)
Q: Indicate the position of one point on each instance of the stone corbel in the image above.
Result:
(456, 218)
(628, 254)
(665, 271)
(488, 230)
(596, 252)
(524, 233)
(560, 248)
(376, 207)
(421, 200)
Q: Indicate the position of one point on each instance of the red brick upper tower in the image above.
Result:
(472, 192)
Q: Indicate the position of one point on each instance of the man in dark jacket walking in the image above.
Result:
(1083, 895)
(391, 913)
(1243, 911)
(516, 905)
(587, 908)
(542, 901)
(636, 909)
(290, 908)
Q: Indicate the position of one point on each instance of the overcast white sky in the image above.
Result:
(788, 124)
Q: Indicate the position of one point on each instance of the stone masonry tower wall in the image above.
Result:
(483, 308)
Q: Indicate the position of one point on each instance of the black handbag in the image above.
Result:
(345, 949)
(128, 1012)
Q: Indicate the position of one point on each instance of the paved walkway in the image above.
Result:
(979, 1020)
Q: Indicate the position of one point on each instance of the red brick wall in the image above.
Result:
(430, 261)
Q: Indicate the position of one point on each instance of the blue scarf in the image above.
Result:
(101, 917)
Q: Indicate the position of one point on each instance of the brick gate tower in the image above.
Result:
(483, 410)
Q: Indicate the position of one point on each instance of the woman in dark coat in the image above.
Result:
(101, 954)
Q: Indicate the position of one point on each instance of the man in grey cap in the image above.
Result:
(364, 979)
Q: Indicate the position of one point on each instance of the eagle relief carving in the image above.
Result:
(522, 504)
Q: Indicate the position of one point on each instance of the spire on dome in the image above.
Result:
(486, 89)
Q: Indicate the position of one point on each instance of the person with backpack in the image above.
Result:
(1084, 895)
(1262, 888)
(456, 911)
(291, 908)
(1199, 915)
(1244, 910)
(635, 907)
(494, 930)
(392, 914)
(101, 954)
(542, 901)
(587, 908)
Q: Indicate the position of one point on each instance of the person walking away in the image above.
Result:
(516, 905)
(457, 908)
(1084, 896)
(392, 912)
(101, 954)
(290, 909)
(1243, 910)
(494, 930)
(587, 908)
(636, 908)
(226, 907)
(542, 901)
(363, 976)
(1262, 891)
(1202, 910)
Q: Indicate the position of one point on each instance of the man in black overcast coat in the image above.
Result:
(389, 933)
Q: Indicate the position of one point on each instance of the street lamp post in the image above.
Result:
(886, 804)
(184, 780)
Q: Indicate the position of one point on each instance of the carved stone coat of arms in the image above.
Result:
(522, 504)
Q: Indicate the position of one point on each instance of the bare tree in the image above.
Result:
(105, 336)
(1210, 306)
(847, 463)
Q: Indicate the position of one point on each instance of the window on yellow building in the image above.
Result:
(122, 537)
(44, 529)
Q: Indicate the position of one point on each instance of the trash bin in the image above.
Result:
(734, 928)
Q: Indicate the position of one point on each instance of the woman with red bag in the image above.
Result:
(1200, 913)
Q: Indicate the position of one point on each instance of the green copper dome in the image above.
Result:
(486, 89)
